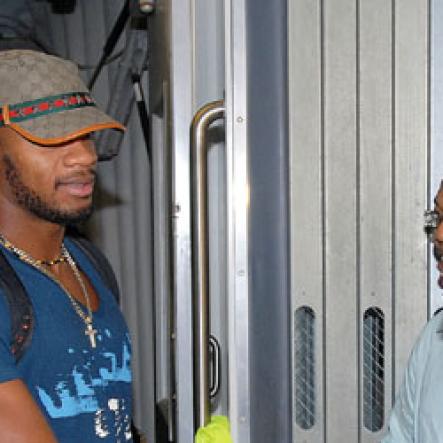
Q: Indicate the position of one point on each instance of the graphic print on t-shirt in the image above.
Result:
(89, 389)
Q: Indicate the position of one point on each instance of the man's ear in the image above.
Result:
(4, 130)
(2, 141)
(6, 138)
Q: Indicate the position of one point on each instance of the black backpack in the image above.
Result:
(20, 307)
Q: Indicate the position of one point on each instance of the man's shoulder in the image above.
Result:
(429, 339)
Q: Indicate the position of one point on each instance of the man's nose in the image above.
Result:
(81, 152)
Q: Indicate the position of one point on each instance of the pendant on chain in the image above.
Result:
(90, 332)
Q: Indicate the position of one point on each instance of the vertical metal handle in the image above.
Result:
(200, 283)
(214, 346)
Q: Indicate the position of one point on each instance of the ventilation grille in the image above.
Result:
(373, 369)
(305, 367)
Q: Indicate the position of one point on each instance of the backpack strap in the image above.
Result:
(100, 263)
(20, 308)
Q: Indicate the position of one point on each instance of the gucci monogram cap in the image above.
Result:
(43, 98)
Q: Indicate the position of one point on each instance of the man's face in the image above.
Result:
(51, 183)
(438, 233)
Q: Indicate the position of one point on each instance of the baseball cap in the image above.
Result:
(43, 98)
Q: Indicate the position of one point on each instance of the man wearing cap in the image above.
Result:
(73, 383)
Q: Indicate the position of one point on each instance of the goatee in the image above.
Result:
(31, 201)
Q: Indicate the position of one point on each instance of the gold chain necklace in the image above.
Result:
(60, 259)
(86, 317)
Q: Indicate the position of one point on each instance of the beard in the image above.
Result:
(35, 204)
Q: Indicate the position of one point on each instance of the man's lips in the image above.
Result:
(78, 185)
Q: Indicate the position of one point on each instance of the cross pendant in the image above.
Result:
(90, 332)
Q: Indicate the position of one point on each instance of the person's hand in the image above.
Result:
(217, 431)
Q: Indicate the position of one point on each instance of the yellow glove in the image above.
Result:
(215, 432)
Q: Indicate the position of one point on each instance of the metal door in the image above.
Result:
(188, 71)
(224, 51)
(360, 167)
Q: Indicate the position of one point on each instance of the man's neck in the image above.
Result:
(39, 238)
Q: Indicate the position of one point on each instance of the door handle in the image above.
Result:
(201, 122)
(214, 346)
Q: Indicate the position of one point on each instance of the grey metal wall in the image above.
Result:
(359, 117)
(122, 222)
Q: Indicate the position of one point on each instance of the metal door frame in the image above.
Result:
(182, 103)
(237, 227)
(181, 78)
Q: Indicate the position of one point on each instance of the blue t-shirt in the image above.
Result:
(84, 392)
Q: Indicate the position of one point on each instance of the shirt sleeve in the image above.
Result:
(402, 423)
(8, 367)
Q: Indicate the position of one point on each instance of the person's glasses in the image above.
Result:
(432, 220)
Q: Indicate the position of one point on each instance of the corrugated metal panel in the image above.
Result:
(411, 175)
(122, 222)
(340, 194)
(375, 213)
(306, 146)
(359, 172)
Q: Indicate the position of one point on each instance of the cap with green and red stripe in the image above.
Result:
(43, 98)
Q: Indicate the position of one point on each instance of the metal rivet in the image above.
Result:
(240, 119)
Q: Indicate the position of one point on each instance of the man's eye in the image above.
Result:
(432, 220)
